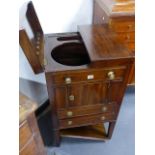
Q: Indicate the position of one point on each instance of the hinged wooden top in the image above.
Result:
(33, 47)
(102, 45)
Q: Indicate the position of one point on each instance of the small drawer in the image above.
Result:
(86, 120)
(122, 26)
(86, 110)
(24, 134)
(89, 76)
(126, 37)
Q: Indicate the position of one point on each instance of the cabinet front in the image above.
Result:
(91, 96)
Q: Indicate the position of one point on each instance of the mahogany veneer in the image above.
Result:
(86, 74)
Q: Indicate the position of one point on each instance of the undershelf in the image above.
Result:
(93, 132)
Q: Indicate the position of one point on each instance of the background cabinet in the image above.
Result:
(120, 16)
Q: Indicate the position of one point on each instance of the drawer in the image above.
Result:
(86, 110)
(131, 46)
(126, 37)
(24, 134)
(29, 149)
(86, 120)
(90, 75)
(122, 26)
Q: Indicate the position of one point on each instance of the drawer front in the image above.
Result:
(24, 134)
(86, 110)
(86, 120)
(91, 75)
(122, 26)
(131, 46)
(126, 37)
(29, 149)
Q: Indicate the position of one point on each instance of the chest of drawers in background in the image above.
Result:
(120, 16)
(30, 141)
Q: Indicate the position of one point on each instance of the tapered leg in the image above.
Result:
(111, 129)
(56, 138)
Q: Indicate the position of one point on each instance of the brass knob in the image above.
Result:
(104, 109)
(69, 113)
(129, 26)
(37, 52)
(71, 97)
(37, 47)
(68, 80)
(111, 75)
(38, 38)
(102, 118)
(70, 122)
(128, 37)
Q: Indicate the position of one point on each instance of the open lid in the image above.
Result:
(33, 46)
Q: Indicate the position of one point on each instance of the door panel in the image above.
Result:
(77, 95)
(86, 94)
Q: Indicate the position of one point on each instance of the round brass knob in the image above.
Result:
(71, 97)
(37, 52)
(69, 113)
(129, 26)
(103, 118)
(104, 109)
(70, 122)
(38, 38)
(128, 37)
(37, 47)
(68, 80)
(111, 75)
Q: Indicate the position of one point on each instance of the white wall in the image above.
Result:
(55, 16)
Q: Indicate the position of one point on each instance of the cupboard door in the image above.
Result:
(86, 94)
(94, 93)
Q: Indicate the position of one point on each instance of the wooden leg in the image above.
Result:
(111, 129)
(56, 138)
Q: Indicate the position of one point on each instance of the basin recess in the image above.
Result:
(71, 54)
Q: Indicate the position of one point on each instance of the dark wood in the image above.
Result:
(120, 17)
(87, 120)
(86, 74)
(111, 129)
(85, 110)
(59, 77)
(33, 47)
(33, 19)
(92, 132)
(30, 141)
(29, 51)
(105, 54)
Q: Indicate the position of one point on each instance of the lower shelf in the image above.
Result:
(93, 132)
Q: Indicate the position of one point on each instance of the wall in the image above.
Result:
(55, 16)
